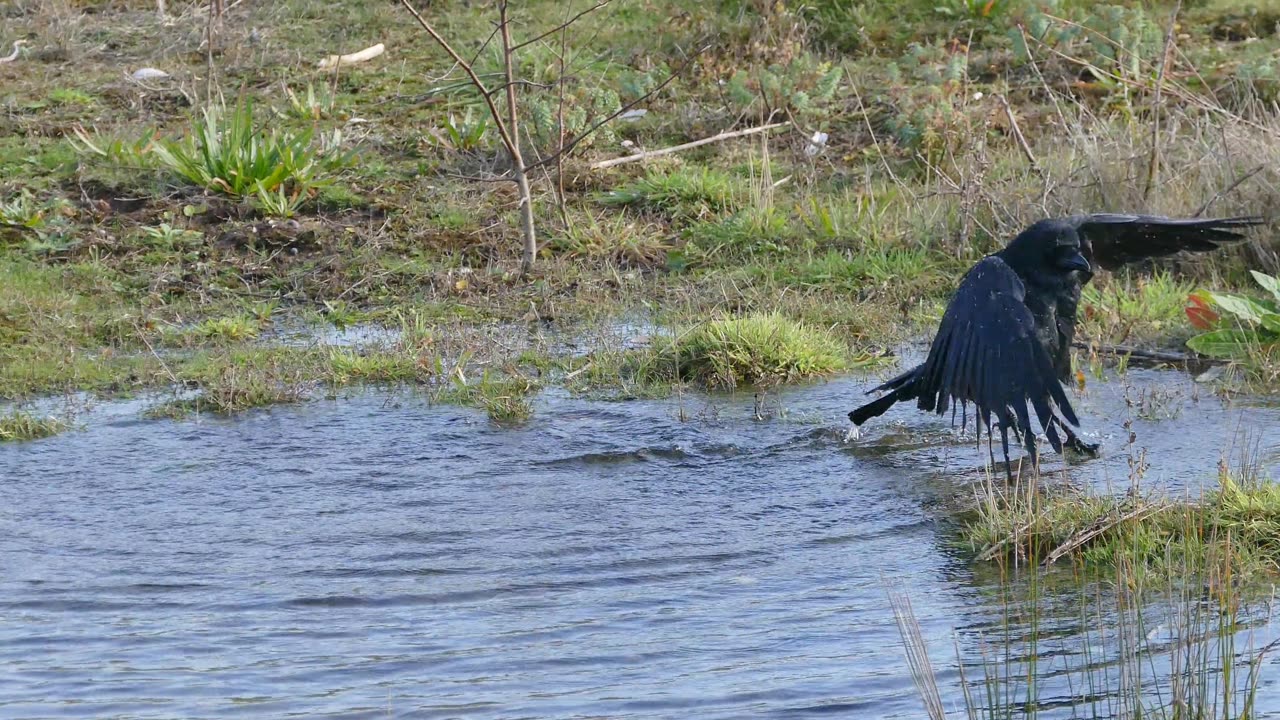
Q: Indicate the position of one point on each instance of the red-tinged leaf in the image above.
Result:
(1199, 299)
(1201, 318)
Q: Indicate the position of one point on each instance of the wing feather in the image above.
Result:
(987, 354)
(1111, 240)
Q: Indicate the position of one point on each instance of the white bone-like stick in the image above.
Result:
(352, 58)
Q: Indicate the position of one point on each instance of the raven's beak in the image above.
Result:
(1078, 262)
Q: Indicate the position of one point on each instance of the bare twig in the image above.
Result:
(1155, 356)
(568, 147)
(561, 201)
(517, 160)
(563, 25)
(1228, 190)
(522, 83)
(164, 366)
(1153, 163)
(507, 138)
(685, 146)
(1173, 89)
(1099, 528)
(995, 548)
(876, 141)
(1017, 133)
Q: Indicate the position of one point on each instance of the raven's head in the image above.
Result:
(1050, 247)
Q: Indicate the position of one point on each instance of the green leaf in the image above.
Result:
(1224, 343)
(1271, 321)
(1269, 283)
(1242, 307)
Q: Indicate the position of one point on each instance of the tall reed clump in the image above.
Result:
(1117, 607)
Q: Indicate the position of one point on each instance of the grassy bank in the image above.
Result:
(170, 232)
(1233, 528)
(1120, 605)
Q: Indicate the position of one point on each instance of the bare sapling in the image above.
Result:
(507, 119)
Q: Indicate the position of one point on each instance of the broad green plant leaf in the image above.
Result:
(1224, 343)
(1270, 284)
(1271, 321)
(1242, 307)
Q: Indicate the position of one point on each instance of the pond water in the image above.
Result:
(375, 556)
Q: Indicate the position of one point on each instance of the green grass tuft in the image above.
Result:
(19, 426)
(347, 366)
(506, 400)
(228, 152)
(691, 193)
(759, 349)
(1238, 522)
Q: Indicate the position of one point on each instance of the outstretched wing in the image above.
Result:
(986, 353)
(1109, 240)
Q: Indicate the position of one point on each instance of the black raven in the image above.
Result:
(1005, 338)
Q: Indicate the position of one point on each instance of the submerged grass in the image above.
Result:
(18, 425)
(506, 400)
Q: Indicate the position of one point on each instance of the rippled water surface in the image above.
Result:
(376, 556)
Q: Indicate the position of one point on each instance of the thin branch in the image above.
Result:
(484, 45)
(1100, 528)
(1177, 91)
(1228, 190)
(518, 167)
(509, 87)
(562, 25)
(507, 139)
(1153, 164)
(163, 365)
(677, 148)
(876, 141)
(568, 147)
(524, 83)
(481, 178)
(561, 200)
(1153, 356)
(1017, 134)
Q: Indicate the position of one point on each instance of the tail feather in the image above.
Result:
(901, 388)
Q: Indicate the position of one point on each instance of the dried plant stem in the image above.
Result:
(507, 139)
(1153, 162)
(685, 146)
(517, 160)
(1228, 190)
(1017, 134)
